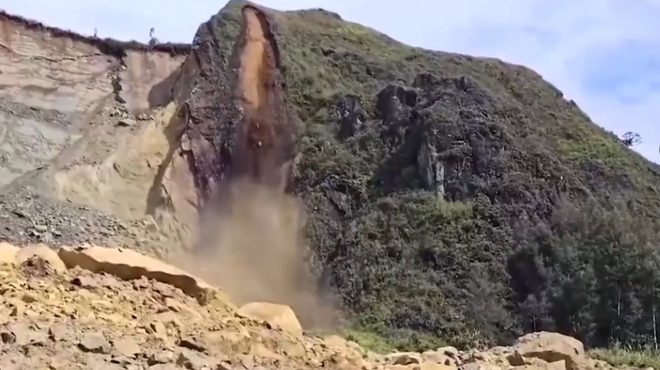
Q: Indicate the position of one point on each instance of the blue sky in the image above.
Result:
(604, 54)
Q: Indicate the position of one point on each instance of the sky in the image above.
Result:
(604, 54)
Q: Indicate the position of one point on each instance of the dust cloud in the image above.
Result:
(254, 249)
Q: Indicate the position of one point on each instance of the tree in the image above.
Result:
(152, 39)
(631, 139)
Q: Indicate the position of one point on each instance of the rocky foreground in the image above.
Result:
(101, 308)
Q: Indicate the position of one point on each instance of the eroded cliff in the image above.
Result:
(132, 130)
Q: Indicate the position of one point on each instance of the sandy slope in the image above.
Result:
(84, 129)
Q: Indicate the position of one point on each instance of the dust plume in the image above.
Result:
(256, 252)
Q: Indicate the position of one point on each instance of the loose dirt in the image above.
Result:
(90, 307)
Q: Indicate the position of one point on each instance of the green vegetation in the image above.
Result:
(368, 340)
(463, 200)
(621, 356)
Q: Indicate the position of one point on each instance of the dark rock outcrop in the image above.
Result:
(234, 134)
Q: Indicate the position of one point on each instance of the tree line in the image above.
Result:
(594, 275)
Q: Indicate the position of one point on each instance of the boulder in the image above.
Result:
(551, 347)
(42, 251)
(8, 253)
(13, 255)
(404, 358)
(441, 357)
(128, 265)
(274, 314)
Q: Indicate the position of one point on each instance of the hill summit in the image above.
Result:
(442, 197)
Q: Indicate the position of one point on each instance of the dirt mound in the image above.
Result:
(107, 308)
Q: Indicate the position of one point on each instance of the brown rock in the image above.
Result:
(128, 265)
(95, 343)
(168, 319)
(274, 314)
(552, 347)
(158, 329)
(448, 351)
(29, 298)
(404, 358)
(162, 357)
(479, 366)
(17, 307)
(173, 305)
(44, 252)
(193, 343)
(85, 282)
(516, 359)
(432, 365)
(16, 333)
(164, 367)
(126, 347)
(8, 253)
(342, 345)
(58, 332)
(193, 361)
(402, 367)
(538, 364)
(439, 357)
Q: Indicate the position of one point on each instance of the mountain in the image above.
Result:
(445, 197)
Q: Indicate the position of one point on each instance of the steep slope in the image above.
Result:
(429, 179)
(432, 178)
(70, 110)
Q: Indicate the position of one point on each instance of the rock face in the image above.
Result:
(241, 127)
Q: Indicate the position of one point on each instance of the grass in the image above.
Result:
(368, 340)
(620, 355)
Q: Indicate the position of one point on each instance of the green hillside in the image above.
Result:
(461, 199)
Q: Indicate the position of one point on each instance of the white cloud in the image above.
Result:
(604, 54)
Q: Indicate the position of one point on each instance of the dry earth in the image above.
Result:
(84, 131)
(100, 308)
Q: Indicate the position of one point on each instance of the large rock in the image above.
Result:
(404, 358)
(8, 253)
(445, 355)
(44, 252)
(274, 314)
(11, 254)
(552, 347)
(128, 264)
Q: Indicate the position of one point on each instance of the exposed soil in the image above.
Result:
(260, 147)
